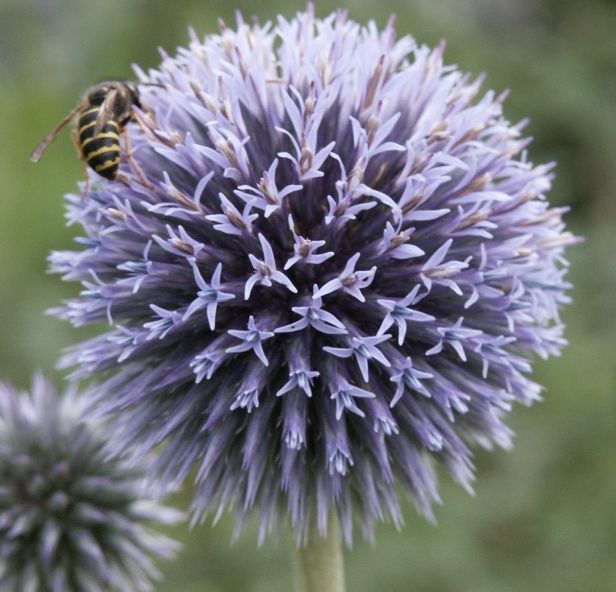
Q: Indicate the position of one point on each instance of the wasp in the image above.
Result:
(106, 109)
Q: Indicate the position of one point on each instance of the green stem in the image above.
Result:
(319, 565)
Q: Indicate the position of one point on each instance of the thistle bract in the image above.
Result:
(71, 518)
(333, 269)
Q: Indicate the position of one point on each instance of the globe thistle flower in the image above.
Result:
(71, 517)
(331, 275)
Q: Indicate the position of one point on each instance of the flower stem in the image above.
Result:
(319, 565)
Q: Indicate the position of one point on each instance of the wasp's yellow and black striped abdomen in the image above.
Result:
(100, 150)
(103, 115)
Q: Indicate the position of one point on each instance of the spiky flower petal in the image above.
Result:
(338, 272)
(71, 517)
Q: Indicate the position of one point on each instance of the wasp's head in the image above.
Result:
(133, 92)
(125, 89)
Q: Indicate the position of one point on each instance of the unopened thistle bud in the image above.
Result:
(72, 518)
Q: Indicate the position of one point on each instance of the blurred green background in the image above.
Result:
(544, 517)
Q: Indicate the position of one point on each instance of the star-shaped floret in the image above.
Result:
(399, 312)
(454, 336)
(305, 249)
(232, 221)
(405, 376)
(337, 448)
(167, 320)
(343, 212)
(209, 295)
(265, 271)
(345, 206)
(211, 358)
(308, 159)
(364, 349)
(138, 270)
(345, 393)
(313, 315)
(252, 384)
(266, 196)
(301, 379)
(126, 339)
(179, 242)
(252, 339)
(204, 365)
(350, 281)
(439, 271)
(300, 375)
(395, 243)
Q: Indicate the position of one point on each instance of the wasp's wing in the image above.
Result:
(38, 151)
(107, 110)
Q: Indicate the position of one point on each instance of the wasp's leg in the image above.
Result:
(152, 134)
(141, 123)
(75, 138)
(133, 162)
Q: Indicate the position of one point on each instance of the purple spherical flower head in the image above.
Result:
(336, 270)
(72, 516)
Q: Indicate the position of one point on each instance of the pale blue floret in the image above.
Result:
(363, 349)
(350, 281)
(232, 221)
(252, 339)
(400, 313)
(209, 295)
(344, 396)
(266, 196)
(265, 271)
(313, 315)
